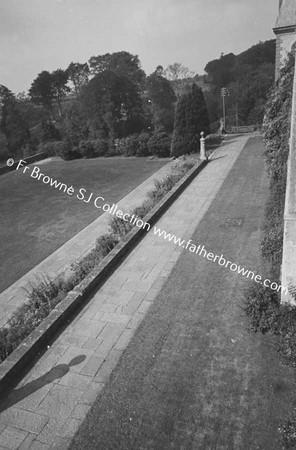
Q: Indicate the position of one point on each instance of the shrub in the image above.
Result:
(86, 149)
(67, 152)
(160, 144)
(83, 267)
(214, 139)
(119, 227)
(101, 147)
(44, 295)
(143, 149)
(52, 148)
(93, 148)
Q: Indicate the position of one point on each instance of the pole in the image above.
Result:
(236, 105)
(224, 112)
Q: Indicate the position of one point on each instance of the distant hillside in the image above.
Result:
(247, 77)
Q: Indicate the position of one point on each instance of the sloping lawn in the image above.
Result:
(36, 219)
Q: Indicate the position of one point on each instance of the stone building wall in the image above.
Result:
(285, 30)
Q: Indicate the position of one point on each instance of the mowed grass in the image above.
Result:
(36, 219)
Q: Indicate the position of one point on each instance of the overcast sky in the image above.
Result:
(38, 35)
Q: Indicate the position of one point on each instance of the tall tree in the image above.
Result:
(42, 90)
(162, 100)
(59, 80)
(78, 74)
(122, 63)
(112, 106)
(13, 123)
(178, 146)
(191, 119)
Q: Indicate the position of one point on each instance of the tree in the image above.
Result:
(162, 99)
(178, 141)
(122, 63)
(48, 87)
(78, 74)
(13, 123)
(42, 90)
(197, 117)
(75, 123)
(112, 106)
(177, 74)
(191, 119)
(248, 77)
(59, 80)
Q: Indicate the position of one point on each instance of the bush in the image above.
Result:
(86, 149)
(67, 152)
(52, 148)
(143, 149)
(119, 227)
(160, 144)
(214, 139)
(93, 148)
(82, 268)
(44, 296)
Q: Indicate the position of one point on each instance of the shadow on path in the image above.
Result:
(28, 389)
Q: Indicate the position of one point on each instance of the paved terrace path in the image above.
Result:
(191, 377)
(72, 250)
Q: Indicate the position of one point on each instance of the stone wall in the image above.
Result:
(284, 43)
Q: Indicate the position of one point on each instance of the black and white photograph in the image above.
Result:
(147, 225)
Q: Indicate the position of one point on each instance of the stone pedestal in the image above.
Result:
(203, 154)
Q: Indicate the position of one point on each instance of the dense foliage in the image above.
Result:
(110, 98)
(248, 78)
(263, 305)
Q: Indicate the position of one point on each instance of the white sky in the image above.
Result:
(38, 35)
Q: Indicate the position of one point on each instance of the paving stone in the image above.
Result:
(108, 366)
(135, 321)
(116, 318)
(106, 307)
(61, 443)
(92, 344)
(124, 340)
(12, 438)
(80, 411)
(92, 366)
(30, 395)
(75, 380)
(91, 393)
(88, 328)
(111, 331)
(132, 306)
(25, 420)
(27, 443)
(121, 297)
(59, 402)
(143, 308)
(74, 352)
(51, 431)
(37, 445)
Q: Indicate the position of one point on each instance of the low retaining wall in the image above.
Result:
(35, 343)
(29, 160)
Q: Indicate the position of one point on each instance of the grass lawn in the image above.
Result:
(36, 219)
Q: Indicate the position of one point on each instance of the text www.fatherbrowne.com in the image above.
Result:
(136, 221)
(201, 251)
